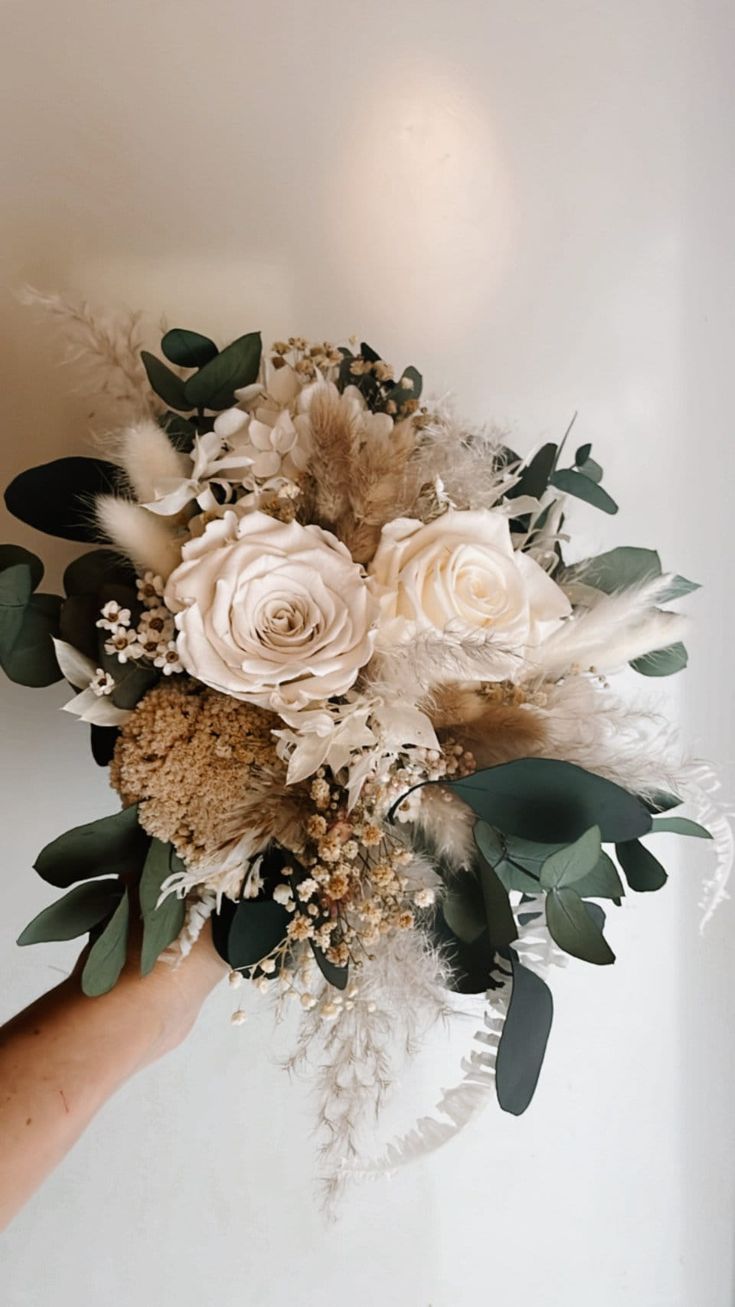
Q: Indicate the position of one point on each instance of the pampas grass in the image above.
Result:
(613, 631)
(140, 535)
(106, 348)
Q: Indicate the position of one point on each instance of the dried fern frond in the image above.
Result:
(106, 348)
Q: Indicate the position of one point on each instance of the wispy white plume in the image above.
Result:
(408, 671)
(140, 535)
(356, 1059)
(148, 458)
(106, 348)
(612, 632)
(467, 462)
(461, 1104)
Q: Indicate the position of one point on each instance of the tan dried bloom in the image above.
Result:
(204, 770)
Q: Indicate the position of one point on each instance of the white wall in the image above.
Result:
(533, 202)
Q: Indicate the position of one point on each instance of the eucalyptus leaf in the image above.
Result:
(677, 588)
(110, 845)
(248, 931)
(463, 905)
(78, 624)
(162, 923)
(168, 385)
(107, 955)
(75, 913)
(470, 963)
(603, 882)
(643, 872)
(680, 826)
(514, 877)
(663, 662)
(15, 591)
(102, 741)
(214, 385)
(591, 470)
(12, 555)
(187, 349)
(551, 802)
(334, 975)
(572, 927)
(58, 497)
(574, 483)
(501, 925)
(534, 478)
(582, 454)
(491, 846)
(32, 660)
(88, 573)
(523, 1039)
(573, 862)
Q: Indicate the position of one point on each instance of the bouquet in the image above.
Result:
(356, 704)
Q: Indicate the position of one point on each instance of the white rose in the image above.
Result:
(460, 574)
(273, 613)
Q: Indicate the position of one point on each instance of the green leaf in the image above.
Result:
(31, 660)
(132, 680)
(214, 385)
(574, 483)
(678, 587)
(591, 470)
(58, 497)
(491, 846)
(501, 926)
(188, 349)
(12, 555)
(663, 662)
(534, 478)
(514, 877)
(463, 905)
(77, 623)
(552, 802)
(166, 384)
(523, 1040)
(582, 455)
(572, 927)
(573, 862)
(107, 955)
(88, 573)
(161, 924)
(334, 975)
(77, 912)
(246, 932)
(680, 826)
(619, 568)
(603, 882)
(470, 963)
(109, 846)
(662, 802)
(15, 591)
(643, 872)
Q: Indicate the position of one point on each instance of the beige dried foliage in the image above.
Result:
(203, 768)
(495, 723)
(382, 487)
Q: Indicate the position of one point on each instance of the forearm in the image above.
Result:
(65, 1055)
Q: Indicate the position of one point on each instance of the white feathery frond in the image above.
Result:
(140, 535)
(356, 1060)
(408, 671)
(700, 789)
(146, 455)
(613, 631)
(469, 463)
(626, 742)
(106, 348)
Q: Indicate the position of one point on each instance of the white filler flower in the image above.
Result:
(274, 613)
(460, 575)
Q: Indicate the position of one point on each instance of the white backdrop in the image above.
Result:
(534, 203)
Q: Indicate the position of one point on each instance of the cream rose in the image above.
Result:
(460, 573)
(274, 613)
